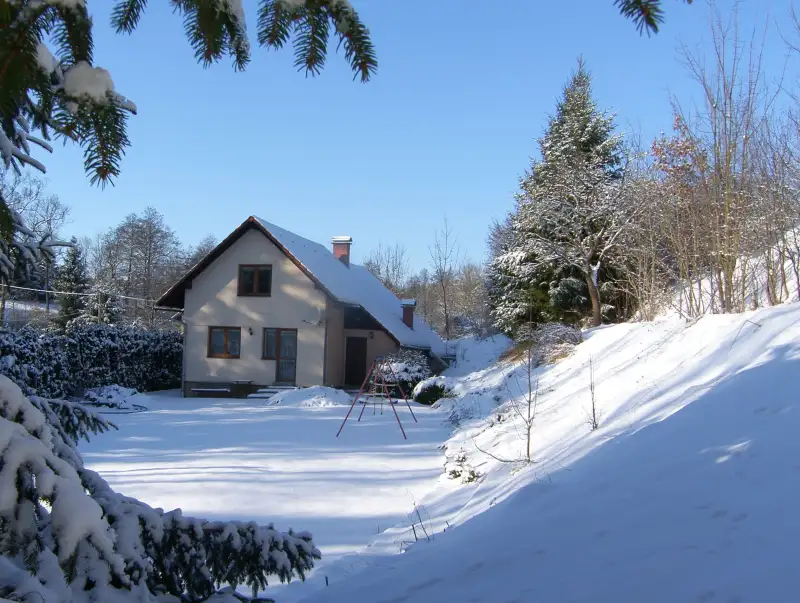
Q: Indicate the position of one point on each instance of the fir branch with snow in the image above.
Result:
(66, 535)
(69, 97)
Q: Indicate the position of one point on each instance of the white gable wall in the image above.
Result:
(213, 301)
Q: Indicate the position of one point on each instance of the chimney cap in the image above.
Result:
(408, 303)
(342, 239)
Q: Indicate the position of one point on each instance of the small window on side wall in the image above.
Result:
(224, 342)
(255, 280)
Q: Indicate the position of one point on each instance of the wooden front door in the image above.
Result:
(286, 369)
(355, 361)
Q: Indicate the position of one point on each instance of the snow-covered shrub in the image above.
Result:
(109, 396)
(550, 341)
(90, 355)
(458, 467)
(127, 355)
(38, 362)
(404, 369)
(432, 389)
(67, 536)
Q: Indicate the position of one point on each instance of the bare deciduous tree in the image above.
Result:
(390, 266)
(444, 258)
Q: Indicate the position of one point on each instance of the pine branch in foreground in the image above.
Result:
(66, 535)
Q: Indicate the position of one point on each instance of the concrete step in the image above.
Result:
(267, 392)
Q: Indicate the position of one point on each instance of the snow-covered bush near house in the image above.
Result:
(66, 536)
(316, 396)
(90, 355)
(110, 396)
(404, 368)
(432, 389)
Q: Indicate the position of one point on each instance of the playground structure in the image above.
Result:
(379, 390)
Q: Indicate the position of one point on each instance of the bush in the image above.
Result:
(90, 355)
(404, 369)
(550, 341)
(432, 390)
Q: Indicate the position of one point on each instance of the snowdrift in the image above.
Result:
(686, 492)
(317, 396)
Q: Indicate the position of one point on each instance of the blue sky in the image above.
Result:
(445, 128)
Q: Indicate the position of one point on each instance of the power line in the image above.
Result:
(48, 291)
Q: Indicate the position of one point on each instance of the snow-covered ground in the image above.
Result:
(687, 492)
(282, 463)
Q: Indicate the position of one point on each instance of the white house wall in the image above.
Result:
(213, 301)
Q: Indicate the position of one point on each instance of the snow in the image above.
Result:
(45, 58)
(685, 492)
(312, 397)
(251, 460)
(356, 285)
(83, 80)
(474, 353)
(110, 396)
(751, 285)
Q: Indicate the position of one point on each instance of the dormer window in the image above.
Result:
(255, 280)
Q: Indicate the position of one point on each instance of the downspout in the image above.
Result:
(183, 357)
(325, 348)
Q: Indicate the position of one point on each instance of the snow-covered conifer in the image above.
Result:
(72, 278)
(570, 216)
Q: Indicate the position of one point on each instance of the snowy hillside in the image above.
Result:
(687, 491)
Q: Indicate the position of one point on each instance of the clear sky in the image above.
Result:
(445, 128)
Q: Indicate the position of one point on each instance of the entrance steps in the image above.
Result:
(267, 392)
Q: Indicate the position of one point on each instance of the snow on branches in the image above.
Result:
(66, 535)
(90, 355)
(570, 213)
(404, 369)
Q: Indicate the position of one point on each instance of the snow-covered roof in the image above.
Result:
(355, 285)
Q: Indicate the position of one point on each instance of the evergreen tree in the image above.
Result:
(102, 307)
(72, 278)
(569, 216)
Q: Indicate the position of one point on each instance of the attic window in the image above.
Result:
(255, 280)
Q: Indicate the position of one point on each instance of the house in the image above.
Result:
(268, 307)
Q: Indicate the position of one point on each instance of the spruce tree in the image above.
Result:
(72, 278)
(570, 217)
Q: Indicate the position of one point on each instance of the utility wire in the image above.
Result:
(48, 291)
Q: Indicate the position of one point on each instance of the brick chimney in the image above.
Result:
(341, 249)
(408, 306)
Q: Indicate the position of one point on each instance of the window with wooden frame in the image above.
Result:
(281, 345)
(224, 342)
(255, 280)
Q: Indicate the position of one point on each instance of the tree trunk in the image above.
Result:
(4, 296)
(594, 294)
